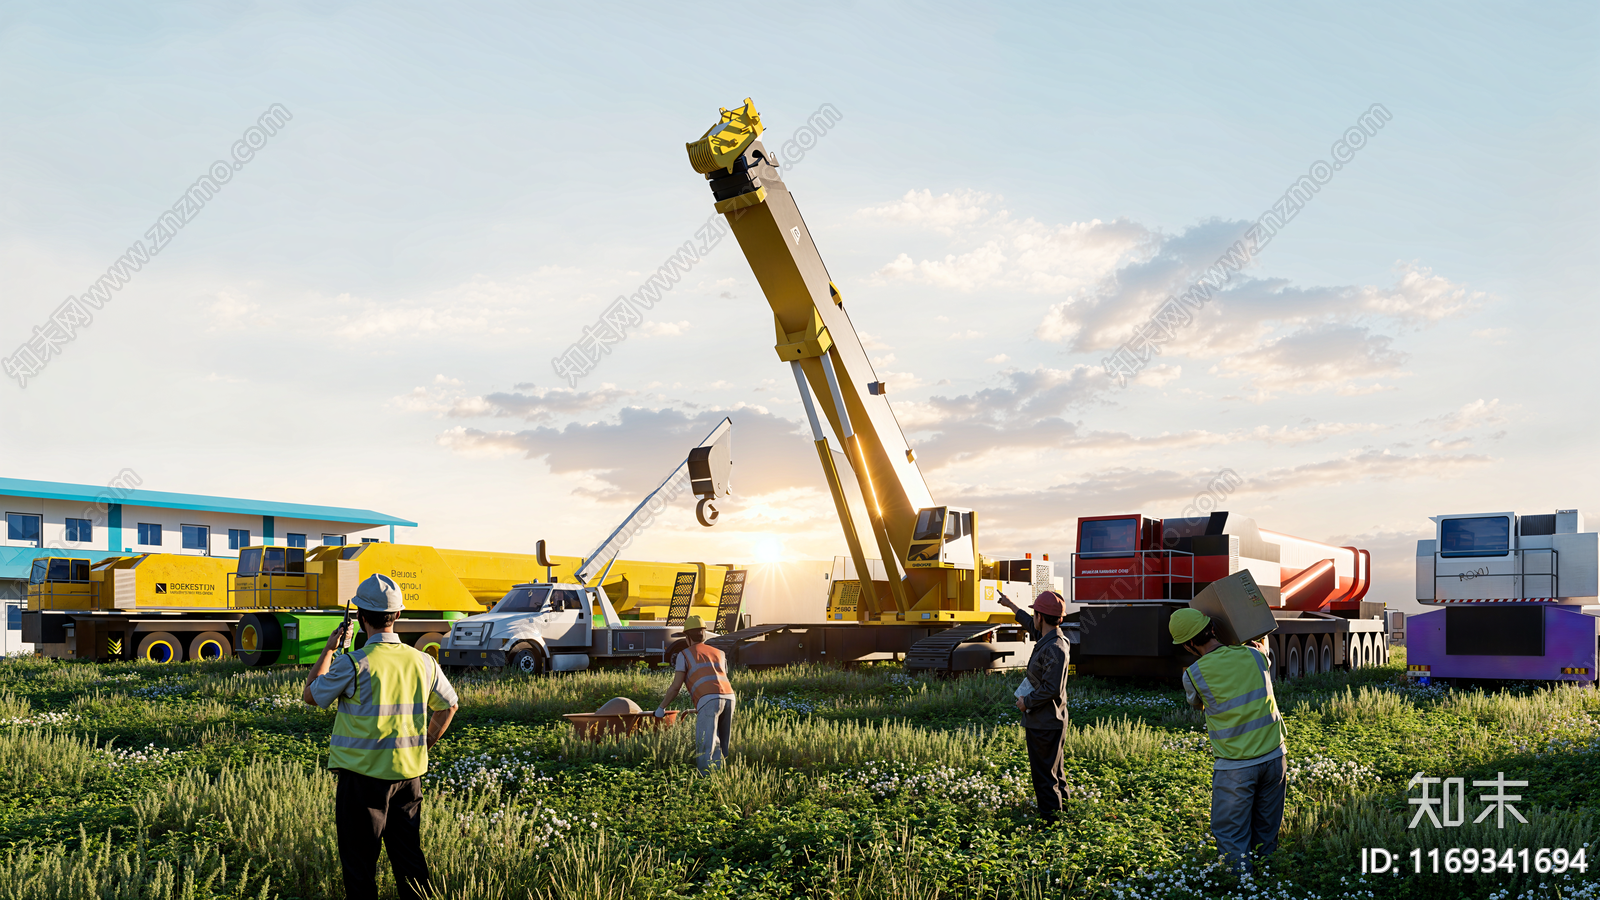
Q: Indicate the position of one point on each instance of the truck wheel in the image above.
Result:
(429, 643)
(160, 647)
(260, 639)
(209, 645)
(528, 659)
(1291, 658)
(1325, 663)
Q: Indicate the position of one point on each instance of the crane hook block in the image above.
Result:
(706, 512)
(723, 143)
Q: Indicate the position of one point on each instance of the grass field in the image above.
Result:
(205, 780)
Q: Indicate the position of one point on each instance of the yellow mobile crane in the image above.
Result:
(946, 596)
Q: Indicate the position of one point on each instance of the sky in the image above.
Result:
(365, 310)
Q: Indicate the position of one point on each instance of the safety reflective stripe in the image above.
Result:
(1242, 699)
(382, 709)
(1223, 734)
(1200, 685)
(388, 743)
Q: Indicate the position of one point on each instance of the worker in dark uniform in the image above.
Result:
(381, 737)
(1042, 699)
(1233, 685)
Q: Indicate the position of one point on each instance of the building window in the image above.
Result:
(333, 540)
(369, 540)
(23, 527)
(149, 534)
(238, 538)
(13, 617)
(296, 540)
(80, 530)
(196, 537)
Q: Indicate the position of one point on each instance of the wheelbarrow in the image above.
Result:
(620, 717)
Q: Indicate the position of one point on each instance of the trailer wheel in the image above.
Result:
(1291, 658)
(429, 643)
(160, 647)
(209, 645)
(1326, 663)
(260, 639)
(528, 659)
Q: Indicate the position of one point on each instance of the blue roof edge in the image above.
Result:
(51, 490)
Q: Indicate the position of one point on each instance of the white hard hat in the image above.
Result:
(379, 593)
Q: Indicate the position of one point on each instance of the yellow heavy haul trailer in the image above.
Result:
(279, 604)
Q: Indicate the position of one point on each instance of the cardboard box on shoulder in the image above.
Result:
(1237, 607)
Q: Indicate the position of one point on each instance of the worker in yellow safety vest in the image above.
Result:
(380, 741)
(705, 669)
(1233, 685)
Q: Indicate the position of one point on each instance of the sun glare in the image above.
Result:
(769, 549)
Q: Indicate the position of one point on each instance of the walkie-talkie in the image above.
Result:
(345, 644)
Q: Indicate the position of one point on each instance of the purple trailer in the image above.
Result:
(1512, 590)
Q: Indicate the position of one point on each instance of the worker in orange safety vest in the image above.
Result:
(704, 669)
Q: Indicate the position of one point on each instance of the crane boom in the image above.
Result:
(815, 336)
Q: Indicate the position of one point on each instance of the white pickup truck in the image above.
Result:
(539, 628)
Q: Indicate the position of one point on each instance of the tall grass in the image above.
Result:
(1118, 741)
(31, 757)
(97, 871)
(807, 744)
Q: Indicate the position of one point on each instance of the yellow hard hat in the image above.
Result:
(692, 623)
(1186, 623)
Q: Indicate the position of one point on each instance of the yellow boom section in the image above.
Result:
(815, 335)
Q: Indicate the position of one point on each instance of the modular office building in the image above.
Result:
(85, 521)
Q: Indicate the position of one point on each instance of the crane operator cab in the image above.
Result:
(945, 537)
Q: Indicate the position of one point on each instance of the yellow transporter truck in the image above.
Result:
(279, 604)
(158, 606)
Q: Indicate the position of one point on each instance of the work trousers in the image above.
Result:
(1045, 765)
(713, 728)
(368, 812)
(1247, 810)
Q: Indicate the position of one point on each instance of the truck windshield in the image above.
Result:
(40, 568)
(1479, 536)
(249, 563)
(523, 599)
(1109, 537)
(930, 524)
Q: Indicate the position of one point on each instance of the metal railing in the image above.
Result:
(1153, 587)
(301, 593)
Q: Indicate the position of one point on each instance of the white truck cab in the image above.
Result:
(539, 628)
(534, 628)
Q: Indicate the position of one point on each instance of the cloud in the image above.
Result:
(1027, 411)
(1470, 415)
(524, 401)
(1314, 357)
(630, 454)
(1113, 275)
(1023, 255)
(943, 213)
(663, 329)
(1162, 491)
(231, 312)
